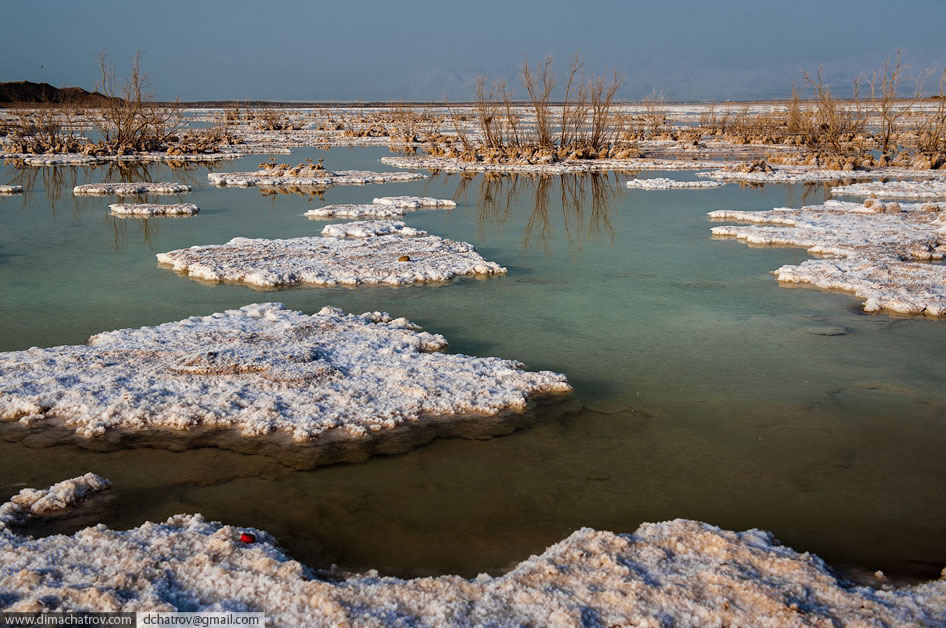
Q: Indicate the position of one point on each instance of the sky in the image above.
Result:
(422, 50)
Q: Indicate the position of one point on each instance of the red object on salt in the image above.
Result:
(248, 537)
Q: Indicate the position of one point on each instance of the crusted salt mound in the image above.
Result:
(31, 502)
(326, 178)
(660, 183)
(369, 228)
(878, 255)
(813, 174)
(447, 164)
(384, 207)
(152, 209)
(683, 572)
(79, 159)
(371, 259)
(903, 190)
(11, 189)
(129, 189)
(262, 369)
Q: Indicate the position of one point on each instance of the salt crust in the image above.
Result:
(79, 159)
(660, 183)
(262, 178)
(151, 209)
(31, 502)
(129, 189)
(384, 207)
(447, 164)
(876, 256)
(679, 573)
(11, 189)
(262, 369)
(371, 259)
(901, 190)
(813, 174)
(370, 228)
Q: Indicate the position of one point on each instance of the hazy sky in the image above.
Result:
(429, 50)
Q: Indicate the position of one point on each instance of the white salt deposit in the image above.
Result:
(31, 502)
(384, 207)
(675, 573)
(880, 249)
(11, 189)
(322, 178)
(374, 258)
(369, 228)
(80, 159)
(130, 189)
(814, 174)
(262, 369)
(660, 183)
(448, 164)
(152, 209)
(902, 190)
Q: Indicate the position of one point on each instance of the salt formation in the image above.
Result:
(152, 209)
(449, 164)
(79, 159)
(319, 178)
(810, 174)
(903, 190)
(371, 259)
(31, 502)
(262, 369)
(879, 251)
(680, 573)
(369, 228)
(11, 189)
(384, 207)
(129, 189)
(660, 183)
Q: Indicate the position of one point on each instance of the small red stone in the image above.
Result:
(248, 537)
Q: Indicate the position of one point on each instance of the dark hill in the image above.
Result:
(27, 92)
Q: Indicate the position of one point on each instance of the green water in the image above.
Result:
(700, 389)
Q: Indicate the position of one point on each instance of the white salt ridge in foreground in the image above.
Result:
(325, 178)
(660, 183)
(129, 189)
(372, 259)
(370, 228)
(384, 207)
(684, 573)
(262, 369)
(152, 209)
(900, 190)
(879, 256)
(31, 502)
(448, 164)
(11, 189)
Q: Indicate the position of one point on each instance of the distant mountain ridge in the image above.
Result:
(27, 92)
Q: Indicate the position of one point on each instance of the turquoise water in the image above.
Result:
(702, 388)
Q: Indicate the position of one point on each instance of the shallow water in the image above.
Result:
(702, 388)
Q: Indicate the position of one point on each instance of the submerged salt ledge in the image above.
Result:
(899, 190)
(30, 502)
(881, 257)
(130, 189)
(660, 183)
(685, 573)
(153, 209)
(325, 178)
(262, 369)
(377, 257)
(384, 207)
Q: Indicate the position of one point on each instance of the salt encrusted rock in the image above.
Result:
(262, 369)
(129, 189)
(31, 502)
(660, 183)
(152, 209)
(11, 189)
(683, 572)
(370, 228)
(902, 190)
(447, 164)
(324, 178)
(879, 249)
(384, 207)
(371, 259)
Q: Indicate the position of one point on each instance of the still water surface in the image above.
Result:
(702, 389)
